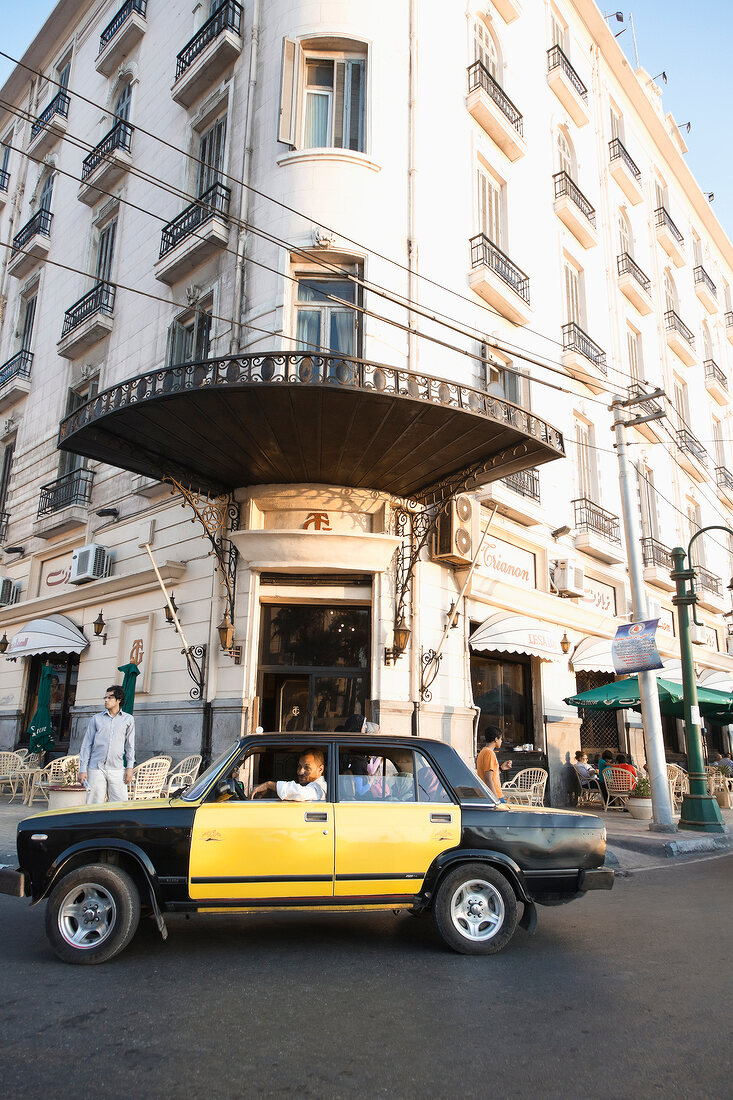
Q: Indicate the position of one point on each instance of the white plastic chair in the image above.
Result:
(527, 787)
(183, 773)
(148, 778)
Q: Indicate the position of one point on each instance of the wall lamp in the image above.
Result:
(401, 641)
(108, 513)
(225, 630)
(169, 612)
(99, 625)
(560, 531)
(20, 550)
(4, 643)
(565, 643)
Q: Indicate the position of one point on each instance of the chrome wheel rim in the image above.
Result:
(477, 910)
(87, 916)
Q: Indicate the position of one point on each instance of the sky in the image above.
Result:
(692, 43)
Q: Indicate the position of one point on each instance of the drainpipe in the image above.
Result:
(235, 340)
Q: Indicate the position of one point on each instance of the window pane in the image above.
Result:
(316, 134)
(318, 290)
(308, 331)
(319, 74)
(429, 787)
(307, 636)
(342, 332)
(376, 775)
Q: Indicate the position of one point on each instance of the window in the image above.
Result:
(565, 155)
(681, 404)
(275, 764)
(323, 96)
(707, 343)
(574, 308)
(557, 31)
(44, 202)
(694, 524)
(5, 472)
(626, 240)
(670, 293)
(105, 252)
(63, 72)
(28, 316)
(490, 220)
(617, 126)
(719, 443)
(516, 387)
(648, 503)
(211, 156)
(5, 152)
(123, 103)
(633, 344)
(385, 774)
(586, 464)
(323, 323)
(76, 397)
(486, 51)
(190, 336)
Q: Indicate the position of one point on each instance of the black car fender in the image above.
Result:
(451, 859)
(73, 857)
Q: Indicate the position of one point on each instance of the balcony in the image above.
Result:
(88, 321)
(195, 235)
(657, 564)
(517, 497)
(49, 126)
(498, 281)
(692, 456)
(634, 284)
(626, 173)
(4, 524)
(574, 210)
(63, 503)
(597, 532)
(509, 10)
(729, 324)
(31, 244)
(15, 379)
(4, 185)
(709, 589)
(120, 36)
(209, 53)
(679, 338)
(583, 359)
(567, 86)
(724, 482)
(106, 164)
(705, 289)
(669, 237)
(715, 382)
(494, 111)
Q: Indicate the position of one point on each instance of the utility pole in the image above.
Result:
(662, 812)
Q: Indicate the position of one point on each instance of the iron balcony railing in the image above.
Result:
(618, 151)
(627, 266)
(724, 478)
(557, 59)
(702, 278)
(59, 105)
(688, 443)
(526, 483)
(72, 488)
(674, 323)
(662, 220)
(117, 20)
(590, 517)
(484, 253)
(729, 318)
(4, 521)
(713, 373)
(637, 390)
(17, 367)
(227, 17)
(708, 581)
(4, 179)
(480, 77)
(119, 137)
(100, 299)
(654, 553)
(564, 185)
(39, 224)
(574, 339)
(212, 204)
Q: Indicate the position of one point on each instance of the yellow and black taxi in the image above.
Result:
(326, 821)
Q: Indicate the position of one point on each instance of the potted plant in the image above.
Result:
(69, 793)
(640, 800)
(722, 793)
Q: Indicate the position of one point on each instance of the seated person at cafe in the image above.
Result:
(585, 770)
(605, 760)
(718, 761)
(622, 761)
(310, 786)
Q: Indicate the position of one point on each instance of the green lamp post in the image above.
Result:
(700, 811)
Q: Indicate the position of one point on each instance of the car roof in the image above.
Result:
(355, 739)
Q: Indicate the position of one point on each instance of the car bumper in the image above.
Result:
(12, 882)
(601, 879)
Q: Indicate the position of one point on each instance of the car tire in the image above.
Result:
(475, 910)
(92, 914)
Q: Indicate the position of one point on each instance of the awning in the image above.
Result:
(714, 678)
(55, 634)
(517, 634)
(716, 705)
(593, 655)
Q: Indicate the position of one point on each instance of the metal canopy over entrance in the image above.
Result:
(292, 418)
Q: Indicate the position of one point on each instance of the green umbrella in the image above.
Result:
(40, 729)
(131, 673)
(717, 705)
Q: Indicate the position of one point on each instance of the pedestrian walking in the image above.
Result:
(107, 752)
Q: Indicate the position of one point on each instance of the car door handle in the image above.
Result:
(441, 819)
(311, 816)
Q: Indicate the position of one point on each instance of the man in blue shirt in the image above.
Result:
(107, 752)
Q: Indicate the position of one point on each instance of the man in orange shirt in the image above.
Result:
(487, 764)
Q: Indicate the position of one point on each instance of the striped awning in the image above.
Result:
(517, 634)
(54, 634)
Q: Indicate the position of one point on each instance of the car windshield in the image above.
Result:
(195, 792)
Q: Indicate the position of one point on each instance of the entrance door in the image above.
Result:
(292, 692)
(63, 696)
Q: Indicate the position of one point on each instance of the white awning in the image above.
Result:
(517, 634)
(714, 678)
(56, 634)
(593, 655)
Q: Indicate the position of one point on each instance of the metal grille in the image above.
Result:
(17, 367)
(663, 221)
(73, 488)
(674, 323)
(484, 252)
(701, 277)
(620, 152)
(228, 16)
(480, 77)
(114, 25)
(574, 339)
(598, 728)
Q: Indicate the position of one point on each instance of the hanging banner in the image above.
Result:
(634, 649)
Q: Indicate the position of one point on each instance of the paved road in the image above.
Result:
(626, 994)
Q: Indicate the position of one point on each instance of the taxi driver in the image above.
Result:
(310, 786)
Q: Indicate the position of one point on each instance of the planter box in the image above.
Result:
(63, 797)
(640, 808)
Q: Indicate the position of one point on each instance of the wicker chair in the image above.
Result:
(10, 765)
(527, 787)
(619, 784)
(183, 773)
(148, 778)
(29, 763)
(50, 776)
(716, 780)
(679, 783)
(588, 789)
(21, 752)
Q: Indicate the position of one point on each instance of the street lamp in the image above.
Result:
(700, 811)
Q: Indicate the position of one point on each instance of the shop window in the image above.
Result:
(323, 95)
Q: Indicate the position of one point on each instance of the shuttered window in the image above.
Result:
(586, 465)
(489, 208)
(29, 316)
(322, 99)
(485, 50)
(211, 156)
(572, 295)
(105, 252)
(633, 343)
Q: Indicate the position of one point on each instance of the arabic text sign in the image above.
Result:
(634, 648)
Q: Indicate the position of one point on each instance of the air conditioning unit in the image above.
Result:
(89, 563)
(698, 634)
(9, 591)
(653, 606)
(569, 577)
(455, 533)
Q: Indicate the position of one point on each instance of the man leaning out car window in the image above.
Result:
(310, 786)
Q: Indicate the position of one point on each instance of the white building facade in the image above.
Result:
(375, 269)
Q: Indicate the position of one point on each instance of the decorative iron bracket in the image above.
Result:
(196, 664)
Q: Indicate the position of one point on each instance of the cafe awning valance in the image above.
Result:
(517, 634)
(593, 655)
(54, 634)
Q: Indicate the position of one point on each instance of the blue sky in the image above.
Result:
(692, 43)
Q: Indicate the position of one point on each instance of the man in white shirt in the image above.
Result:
(310, 786)
(107, 752)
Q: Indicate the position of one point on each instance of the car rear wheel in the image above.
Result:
(476, 910)
(92, 914)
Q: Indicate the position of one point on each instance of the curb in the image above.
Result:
(672, 848)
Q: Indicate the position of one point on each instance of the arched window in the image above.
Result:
(625, 236)
(565, 155)
(670, 293)
(123, 102)
(486, 50)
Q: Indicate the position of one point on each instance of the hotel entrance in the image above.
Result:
(314, 665)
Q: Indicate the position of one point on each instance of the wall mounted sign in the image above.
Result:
(599, 596)
(317, 520)
(500, 560)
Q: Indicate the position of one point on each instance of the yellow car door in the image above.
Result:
(265, 849)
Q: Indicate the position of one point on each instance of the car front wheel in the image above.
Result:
(92, 914)
(476, 910)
